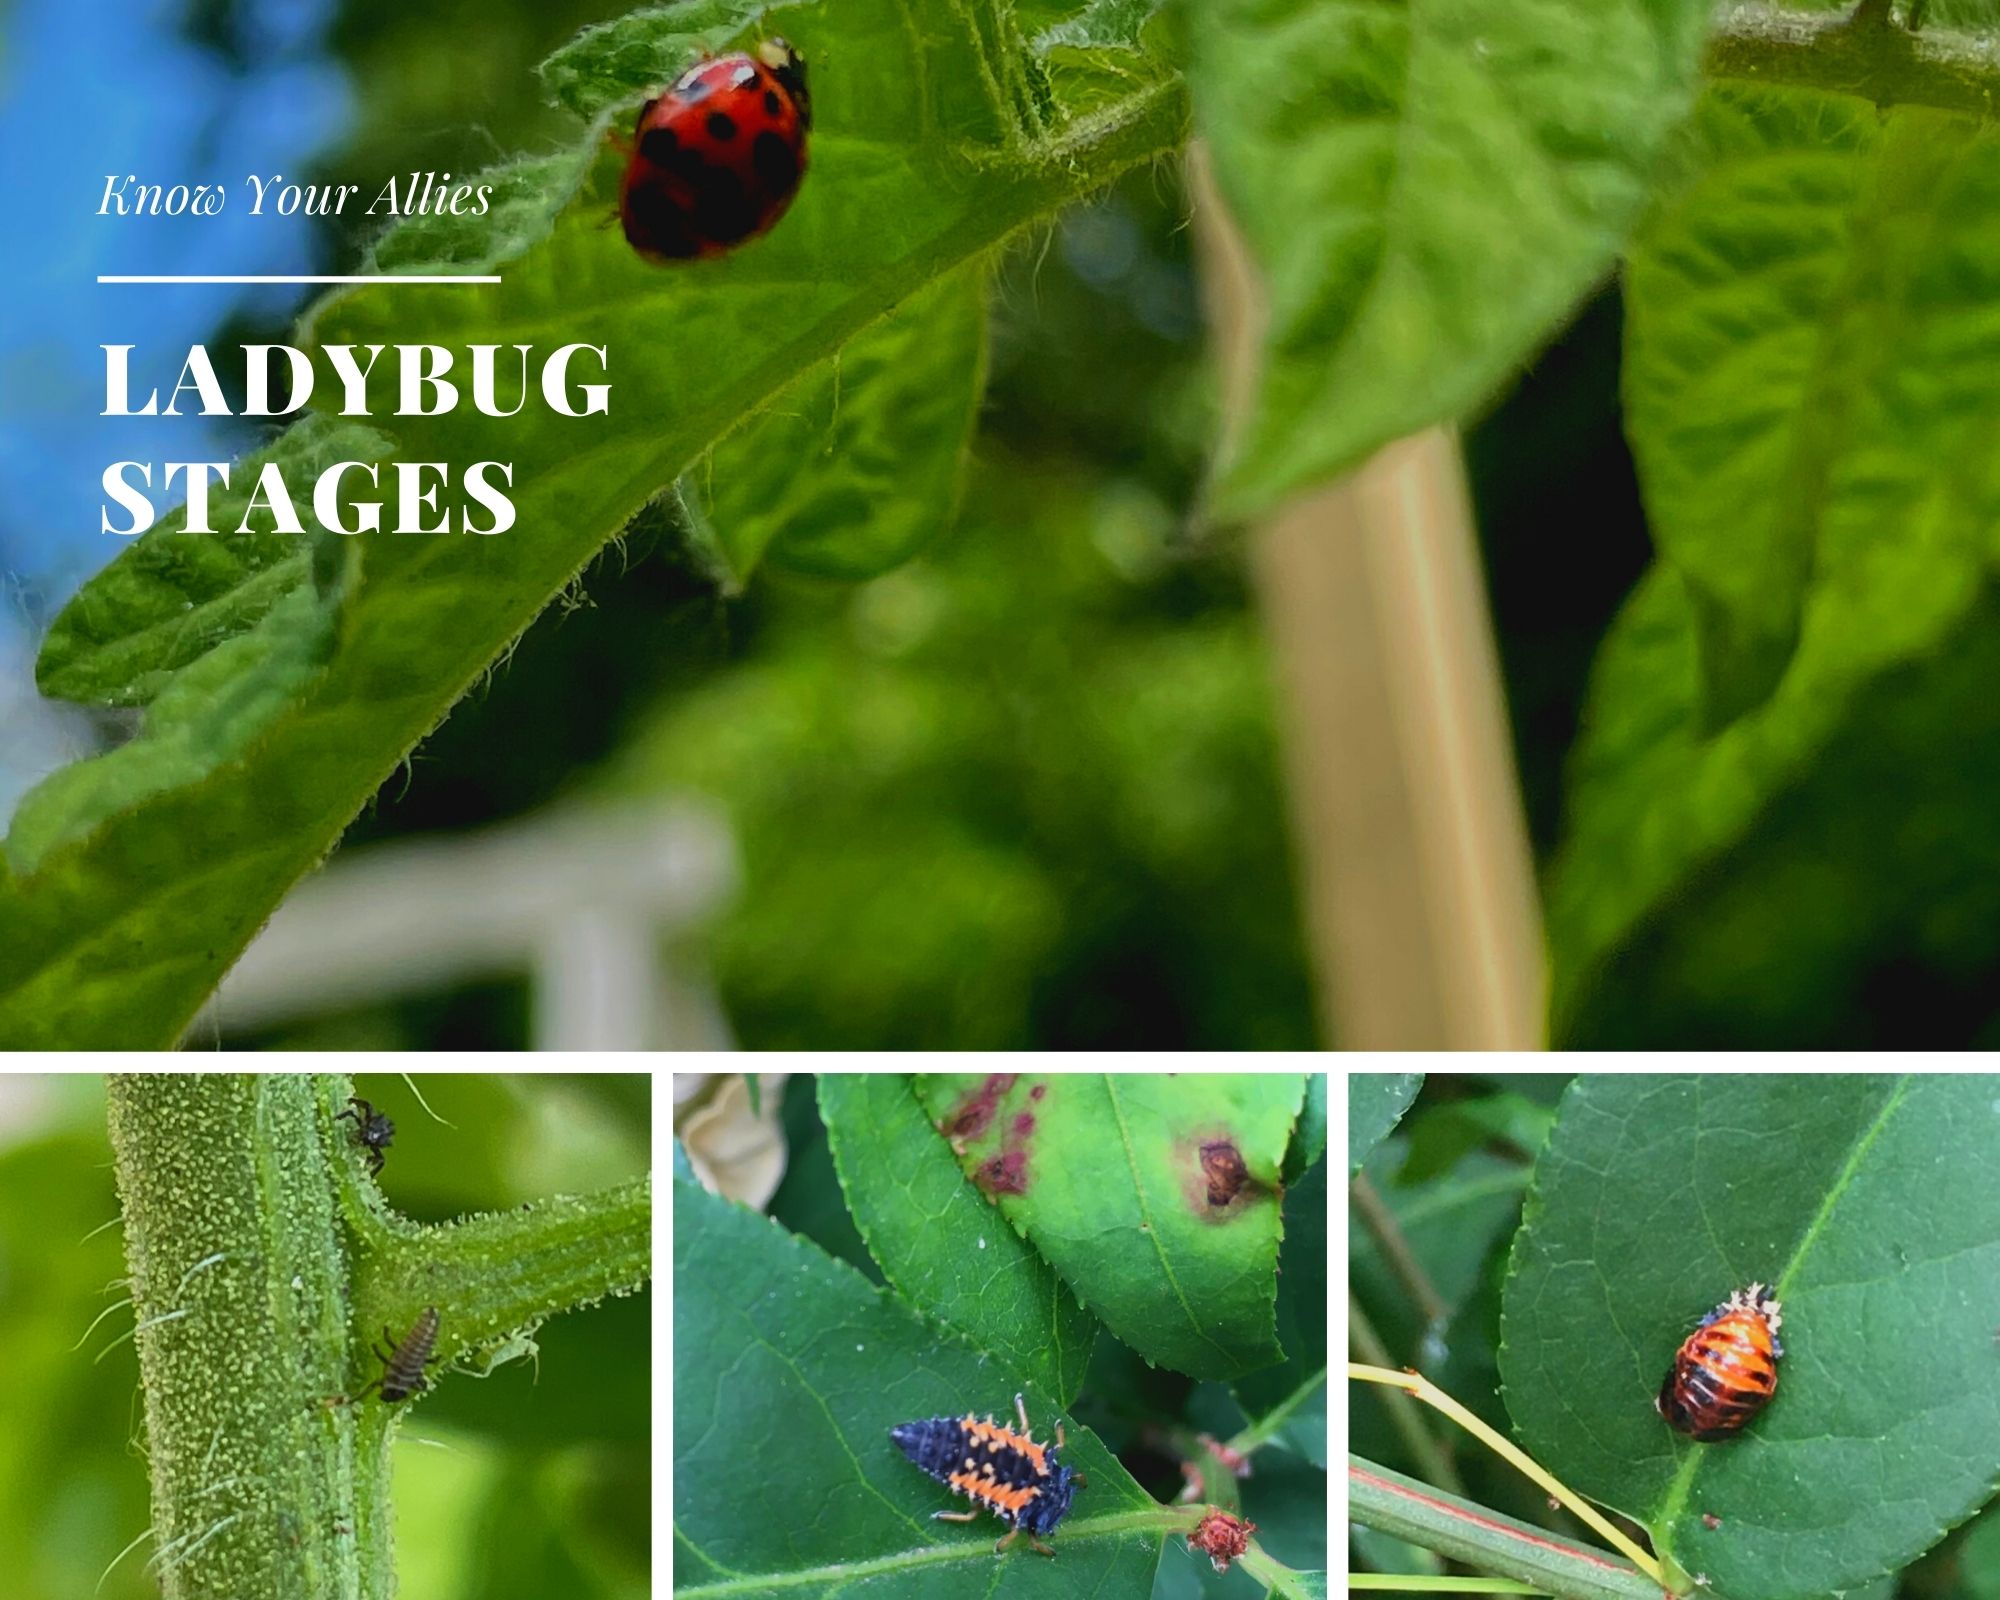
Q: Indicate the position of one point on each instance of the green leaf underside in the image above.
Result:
(607, 65)
(856, 469)
(175, 596)
(940, 1245)
(1116, 1182)
(1376, 1102)
(1873, 1204)
(790, 1370)
(1429, 190)
(921, 164)
(1813, 324)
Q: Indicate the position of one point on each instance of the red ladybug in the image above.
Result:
(718, 155)
(1727, 1370)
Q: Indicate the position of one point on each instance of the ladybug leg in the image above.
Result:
(954, 1516)
(1021, 1408)
(1039, 1548)
(1079, 1480)
(1060, 1444)
(1006, 1541)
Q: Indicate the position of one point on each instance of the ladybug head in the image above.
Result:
(1051, 1505)
(789, 68)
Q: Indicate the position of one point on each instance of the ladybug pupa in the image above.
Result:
(1726, 1371)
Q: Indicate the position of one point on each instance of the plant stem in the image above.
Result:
(1379, 1498)
(1381, 1223)
(236, 1286)
(1403, 1413)
(1859, 53)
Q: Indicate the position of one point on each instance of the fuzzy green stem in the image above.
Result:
(1861, 53)
(237, 1287)
(264, 1263)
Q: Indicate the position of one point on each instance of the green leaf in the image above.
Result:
(939, 1244)
(1309, 1137)
(1154, 1197)
(175, 596)
(1801, 354)
(206, 714)
(1441, 1135)
(1429, 189)
(791, 1370)
(1847, 875)
(614, 61)
(1376, 1102)
(1448, 1222)
(934, 146)
(1287, 1403)
(859, 467)
(1111, 48)
(1849, 434)
(1868, 1202)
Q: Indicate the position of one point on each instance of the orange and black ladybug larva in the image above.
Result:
(1019, 1481)
(403, 1363)
(1727, 1369)
(373, 1131)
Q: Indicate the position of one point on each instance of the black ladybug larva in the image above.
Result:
(403, 1364)
(372, 1130)
(1019, 1481)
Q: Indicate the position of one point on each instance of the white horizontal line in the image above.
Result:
(385, 277)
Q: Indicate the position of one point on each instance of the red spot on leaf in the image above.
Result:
(1006, 1173)
(1222, 1165)
(1024, 1124)
(975, 1112)
(1217, 1184)
(1038, 1091)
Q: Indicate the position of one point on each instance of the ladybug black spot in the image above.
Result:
(721, 126)
(772, 104)
(658, 145)
(723, 209)
(777, 163)
(656, 226)
(686, 164)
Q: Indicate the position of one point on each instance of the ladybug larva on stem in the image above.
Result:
(1019, 1481)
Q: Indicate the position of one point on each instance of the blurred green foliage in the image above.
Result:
(534, 1481)
(1022, 792)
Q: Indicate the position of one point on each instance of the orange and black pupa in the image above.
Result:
(1727, 1369)
(1019, 1481)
